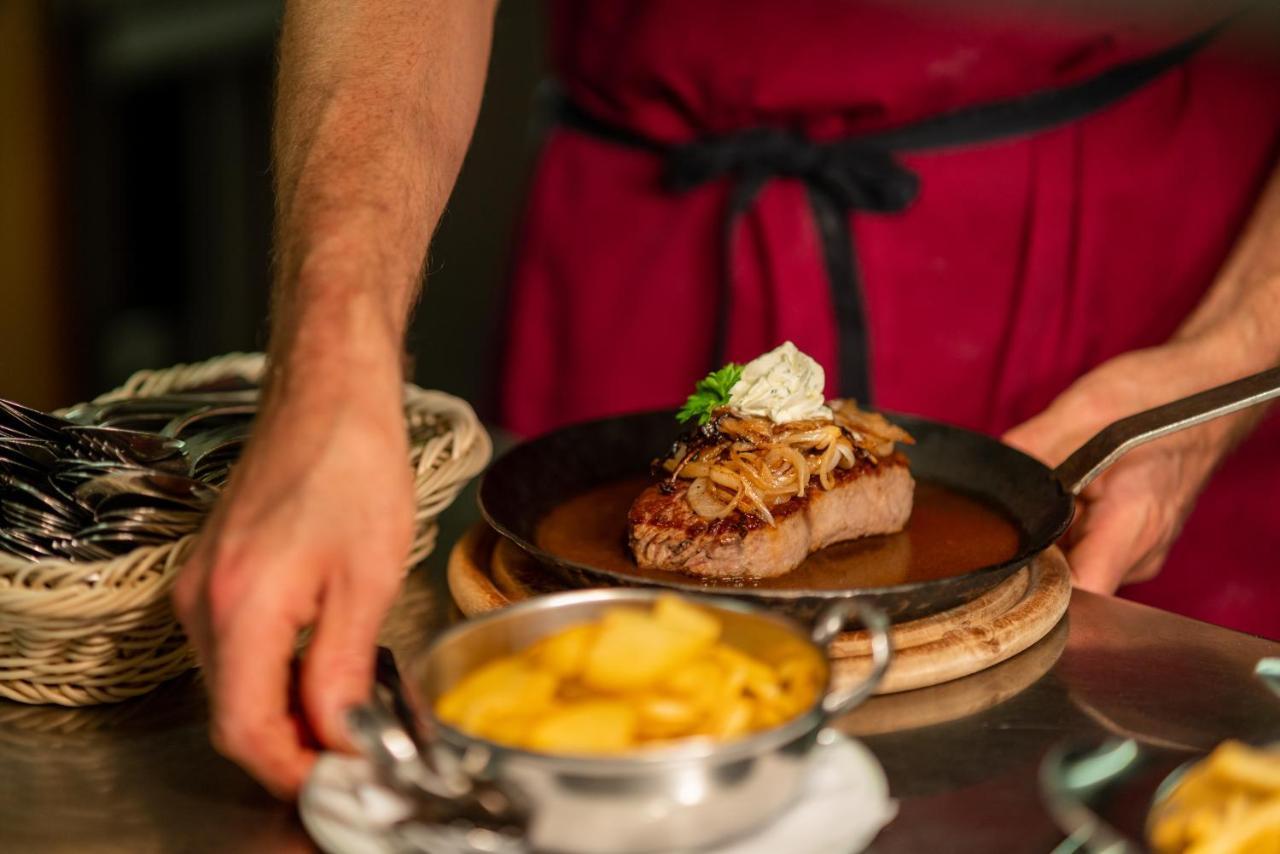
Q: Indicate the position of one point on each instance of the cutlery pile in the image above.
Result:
(107, 478)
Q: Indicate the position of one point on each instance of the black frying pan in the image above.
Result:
(533, 478)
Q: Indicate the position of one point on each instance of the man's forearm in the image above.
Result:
(1235, 330)
(1241, 312)
(375, 107)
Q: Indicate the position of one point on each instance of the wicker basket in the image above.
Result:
(78, 634)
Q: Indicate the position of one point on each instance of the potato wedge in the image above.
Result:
(633, 651)
(663, 717)
(565, 652)
(590, 726)
(677, 614)
(506, 687)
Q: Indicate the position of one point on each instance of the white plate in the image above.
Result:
(845, 804)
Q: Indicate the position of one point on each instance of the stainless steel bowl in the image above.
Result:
(688, 795)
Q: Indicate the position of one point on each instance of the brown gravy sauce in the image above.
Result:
(949, 533)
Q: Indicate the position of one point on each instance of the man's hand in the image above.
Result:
(312, 532)
(1129, 517)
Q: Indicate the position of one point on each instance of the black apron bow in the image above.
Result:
(852, 174)
(841, 177)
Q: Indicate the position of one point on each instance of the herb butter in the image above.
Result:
(783, 385)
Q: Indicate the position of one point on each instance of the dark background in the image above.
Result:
(135, 212)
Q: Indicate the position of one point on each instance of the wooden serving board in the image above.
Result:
(487, 572)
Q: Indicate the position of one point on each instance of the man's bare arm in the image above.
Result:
(377, 101)
(376, 104)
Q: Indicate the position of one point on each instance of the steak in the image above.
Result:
(869, 498)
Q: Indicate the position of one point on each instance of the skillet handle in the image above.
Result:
(830, 623)
(1096, 455)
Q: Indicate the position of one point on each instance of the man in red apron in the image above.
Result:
(1028, 227)
(1030, 242)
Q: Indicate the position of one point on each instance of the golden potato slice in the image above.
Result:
(698, 677)
(701, 683)
(675, 613)
(1169, 833)
(633, 651)
(572, 690)
(1202, 825)
(1196, 789)
(494, 675)
(589, 726)
(1235, 764)
(1256, 832)
(502, 688)
(663, 717)
(730, 720)
(565, 652)
(800, 671)
(801, 680)
(736, 670)
(766, 716)
(758, 679)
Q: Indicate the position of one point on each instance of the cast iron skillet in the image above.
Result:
(533, 478)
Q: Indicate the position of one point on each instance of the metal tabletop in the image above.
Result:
(961, 758)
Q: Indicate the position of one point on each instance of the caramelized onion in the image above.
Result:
(755, 464)
(704, 504)
(801, 467)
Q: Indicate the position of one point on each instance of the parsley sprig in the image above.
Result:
(709, 394)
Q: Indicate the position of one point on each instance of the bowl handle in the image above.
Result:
(830, 623)
(388, 745)
(385, 729)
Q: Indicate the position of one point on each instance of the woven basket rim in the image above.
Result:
(249, 366)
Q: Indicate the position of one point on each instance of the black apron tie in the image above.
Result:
(841, 177)
(862, 174)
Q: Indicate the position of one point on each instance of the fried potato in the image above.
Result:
(730, 720)
(755, 677)
(701, 678)
(565, 652)
(501, 688)
(662, 717)
(767, 716)
(634, 650)
(589, 726)
(631, 678)
(677, 614)
(1236, 764)
(1228, 803)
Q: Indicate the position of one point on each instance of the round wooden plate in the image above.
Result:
(487, 572)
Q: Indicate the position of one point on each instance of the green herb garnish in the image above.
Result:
(710, 394)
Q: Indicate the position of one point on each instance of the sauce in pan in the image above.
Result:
(949, 534)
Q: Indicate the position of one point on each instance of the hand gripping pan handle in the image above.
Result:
(1092, 459)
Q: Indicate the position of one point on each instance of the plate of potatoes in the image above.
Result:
(632, 719)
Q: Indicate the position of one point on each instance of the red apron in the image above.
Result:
(1020, 265)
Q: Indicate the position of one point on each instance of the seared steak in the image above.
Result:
(872, 497)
